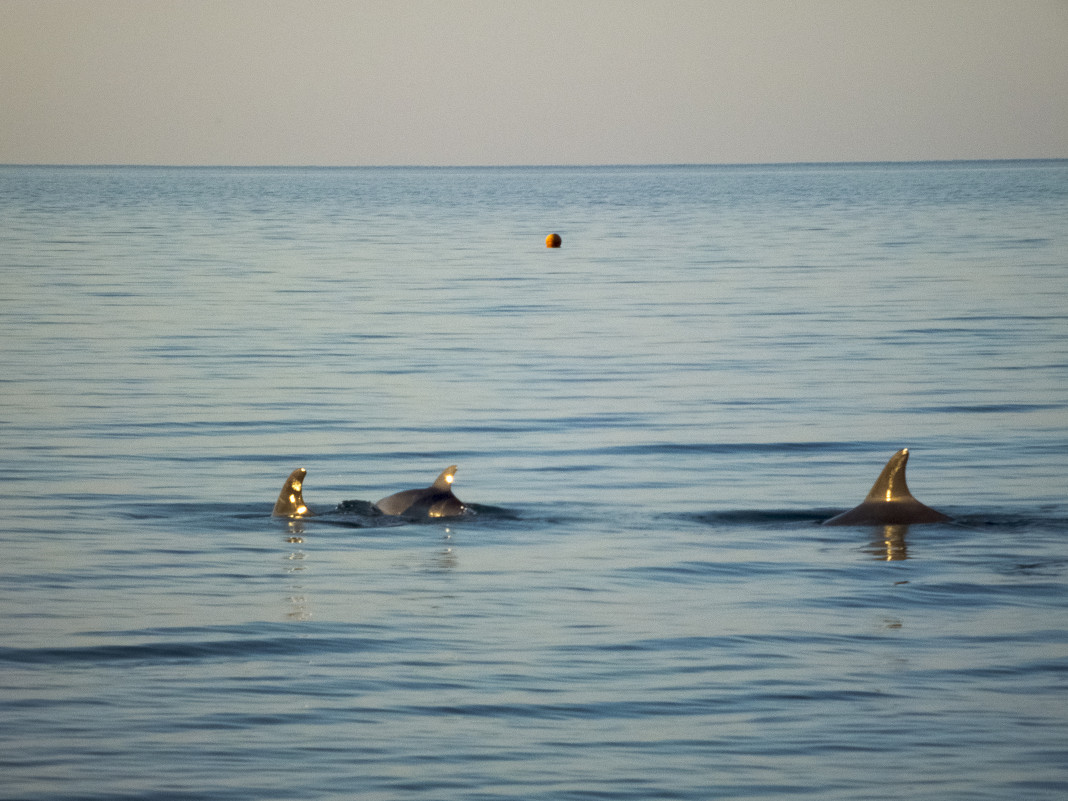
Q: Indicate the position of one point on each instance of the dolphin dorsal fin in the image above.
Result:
(891, 486)
(444, 481)
(889, 503)
(290, 501)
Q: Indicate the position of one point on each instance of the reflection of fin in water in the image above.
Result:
(436, 500)
(888, 543)
(290, 501)
(889, 502)
(444, 560)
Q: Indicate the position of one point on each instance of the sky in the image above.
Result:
(466, 82)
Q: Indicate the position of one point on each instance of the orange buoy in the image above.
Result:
(552, 241)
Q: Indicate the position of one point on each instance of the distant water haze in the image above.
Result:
(359, 82)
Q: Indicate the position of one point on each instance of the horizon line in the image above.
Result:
(576, 165)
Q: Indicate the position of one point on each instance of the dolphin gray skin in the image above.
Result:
(290, 501)
(436, 500)
(889, 502)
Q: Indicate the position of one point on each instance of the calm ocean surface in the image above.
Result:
(652, 420)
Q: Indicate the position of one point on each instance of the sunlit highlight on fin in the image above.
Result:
(889, 501)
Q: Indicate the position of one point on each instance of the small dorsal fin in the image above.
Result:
(290, 501)
(890, 485)
(443, 482)
(436, 500)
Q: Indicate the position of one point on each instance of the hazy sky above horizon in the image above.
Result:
(351, 82)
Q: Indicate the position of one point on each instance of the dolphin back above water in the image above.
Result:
(436, 500)
(889, 502)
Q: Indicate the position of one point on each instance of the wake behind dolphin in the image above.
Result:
(889, 502)
(435, 501)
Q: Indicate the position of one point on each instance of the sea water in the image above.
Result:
(651, 422)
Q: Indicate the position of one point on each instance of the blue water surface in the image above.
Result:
(651, 422)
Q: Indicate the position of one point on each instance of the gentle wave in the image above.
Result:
(651, 421)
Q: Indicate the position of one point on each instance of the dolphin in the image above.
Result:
(290, 501)
(889, 502)
(436, 500)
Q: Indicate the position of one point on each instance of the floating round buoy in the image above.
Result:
(552, 241)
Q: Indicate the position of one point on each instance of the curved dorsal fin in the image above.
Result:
(889, 502)
(290, 501)
(890, 485)
(444, 482)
